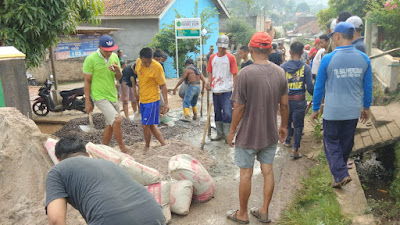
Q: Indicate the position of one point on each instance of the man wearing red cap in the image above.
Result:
(100, 69)
(259, 91)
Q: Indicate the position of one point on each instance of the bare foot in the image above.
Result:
(124, 149)
(146, 149)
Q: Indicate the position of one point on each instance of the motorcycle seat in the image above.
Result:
(78, 91)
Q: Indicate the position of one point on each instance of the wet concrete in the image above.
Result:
(288, 174)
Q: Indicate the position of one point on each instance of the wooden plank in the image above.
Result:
(384, 132)
(376, 138)
(393, 129)
(364, 134)
(358, 142)
(367, 141)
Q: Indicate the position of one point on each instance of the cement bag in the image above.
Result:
(181, 196)
(99, 152)
(161, 192)
(141, 173)
(50, 146)
(182, 89)
(117, 152)
(185, 167)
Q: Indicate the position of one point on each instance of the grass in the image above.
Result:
(380, 98)
(316, 203)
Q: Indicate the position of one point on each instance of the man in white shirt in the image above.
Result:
(323, 45)
(222, 70)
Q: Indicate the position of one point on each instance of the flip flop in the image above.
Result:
(260, 216)
(231, 214)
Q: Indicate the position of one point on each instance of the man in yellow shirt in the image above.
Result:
(151, 76)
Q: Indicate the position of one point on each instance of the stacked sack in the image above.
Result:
(188, 171)
(191, 179)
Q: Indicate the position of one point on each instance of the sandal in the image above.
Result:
(296, 155)
(260, 216)
(231, 214)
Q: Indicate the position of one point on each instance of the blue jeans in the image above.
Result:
(338, 143)
(296, 115)
(223, 107)
(191, 96)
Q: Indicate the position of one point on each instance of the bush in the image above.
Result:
(240, 31)
(386, 14)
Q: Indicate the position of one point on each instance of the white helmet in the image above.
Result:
(333, 24)
(356, 21)
(223, 41)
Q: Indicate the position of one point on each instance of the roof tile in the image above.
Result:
(134, 7)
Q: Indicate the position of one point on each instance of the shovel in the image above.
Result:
(86, 128)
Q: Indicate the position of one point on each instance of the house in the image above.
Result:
(139, 20)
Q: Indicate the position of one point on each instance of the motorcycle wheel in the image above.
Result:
(40, 108)
(32, 83)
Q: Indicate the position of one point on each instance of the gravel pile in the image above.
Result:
(132, 130)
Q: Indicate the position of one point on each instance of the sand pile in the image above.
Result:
(24, 164)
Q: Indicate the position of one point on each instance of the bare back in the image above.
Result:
(191, 75)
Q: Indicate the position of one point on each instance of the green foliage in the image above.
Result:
(289, 26)
(165, 38)
(303, 7)
(358, 8)
(317, 130)
(316, 203)
(240, 31)
(33, 26)
(304, 40)
(394, 190)
(387, 16)
(325, 16)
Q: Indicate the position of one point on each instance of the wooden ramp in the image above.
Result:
(373, 138)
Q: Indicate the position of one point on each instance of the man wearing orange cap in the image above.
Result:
(100, 69)
(256, 110)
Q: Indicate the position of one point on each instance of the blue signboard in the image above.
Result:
(76, 46)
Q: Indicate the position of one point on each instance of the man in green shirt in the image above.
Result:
(100, 69)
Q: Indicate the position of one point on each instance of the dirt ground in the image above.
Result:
(288, 172)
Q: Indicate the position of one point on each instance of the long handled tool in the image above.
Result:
(86, 128)
(208, 103)
(207, 126)
(201, 107)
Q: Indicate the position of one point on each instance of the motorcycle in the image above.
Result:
(71, 99)
(31, 80)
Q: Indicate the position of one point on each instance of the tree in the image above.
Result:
(248, 5)
(33, 26)
(165, 38)
(303, 7)
(240, 31)
(358, 8)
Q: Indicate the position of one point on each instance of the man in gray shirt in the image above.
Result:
(100, 190)
(260, 89)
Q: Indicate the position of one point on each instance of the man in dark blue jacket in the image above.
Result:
(299, 77)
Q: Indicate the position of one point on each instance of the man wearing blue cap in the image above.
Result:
(100, 69)
(346, 77)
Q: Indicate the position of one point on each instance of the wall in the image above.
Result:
(186, 8)
(66, 70)
(14, 85)
(135, 34)
(386, 70)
